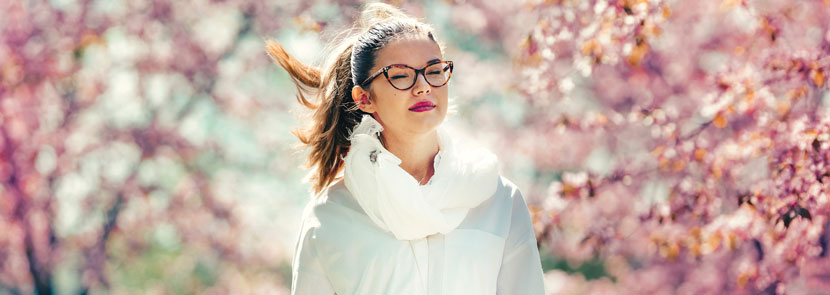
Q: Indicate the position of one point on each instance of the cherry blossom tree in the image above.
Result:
(687, 143)
(126, 150)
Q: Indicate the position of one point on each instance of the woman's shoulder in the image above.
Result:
(494, 215)
(508, 196)
(332, 205)
(506, 183)
(335, 195)
(335, 218)
(514, 201)
(507, 189)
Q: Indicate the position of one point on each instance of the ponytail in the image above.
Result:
(304, 77)
(334, 113)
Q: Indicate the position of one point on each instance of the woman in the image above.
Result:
(413, 211)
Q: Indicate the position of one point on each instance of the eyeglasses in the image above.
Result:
(403, 77)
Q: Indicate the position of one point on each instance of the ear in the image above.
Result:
(361, 99)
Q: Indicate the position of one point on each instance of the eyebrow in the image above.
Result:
(429, 62)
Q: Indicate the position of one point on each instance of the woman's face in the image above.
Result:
(396, 109)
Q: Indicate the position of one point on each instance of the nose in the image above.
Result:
(421, 86)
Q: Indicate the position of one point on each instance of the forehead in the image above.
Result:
(414, 52)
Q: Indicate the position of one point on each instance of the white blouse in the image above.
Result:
(341, 251)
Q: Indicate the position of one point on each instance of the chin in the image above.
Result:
(423, 124)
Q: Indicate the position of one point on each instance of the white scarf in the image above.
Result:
(394, 200)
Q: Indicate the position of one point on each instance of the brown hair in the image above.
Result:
(334, 113)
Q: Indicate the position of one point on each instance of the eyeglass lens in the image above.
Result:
(404, 77)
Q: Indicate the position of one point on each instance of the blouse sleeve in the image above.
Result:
(307, 275)
(521, 267)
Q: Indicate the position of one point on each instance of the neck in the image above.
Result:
(417, 153)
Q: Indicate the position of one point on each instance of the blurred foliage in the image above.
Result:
(146, 145)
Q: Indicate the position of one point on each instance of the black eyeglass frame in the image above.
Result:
(422, 71)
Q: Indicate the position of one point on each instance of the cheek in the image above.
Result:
(442, 94)
(386, 99)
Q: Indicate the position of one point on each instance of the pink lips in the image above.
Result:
(422, 106)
